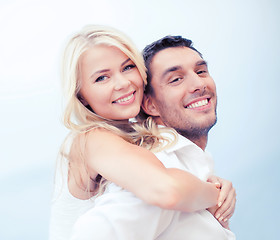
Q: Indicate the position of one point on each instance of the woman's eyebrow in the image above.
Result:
(106, 70)
(127, 60)
(97, 72)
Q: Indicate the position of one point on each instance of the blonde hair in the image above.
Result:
(77, 117)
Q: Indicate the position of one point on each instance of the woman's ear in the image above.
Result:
(149, 107)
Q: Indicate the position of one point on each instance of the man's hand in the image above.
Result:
(226, 201)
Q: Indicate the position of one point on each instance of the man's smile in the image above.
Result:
(197, 104)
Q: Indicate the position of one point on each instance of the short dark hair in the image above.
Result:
(152, 49)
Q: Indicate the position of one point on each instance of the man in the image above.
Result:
(182, 95)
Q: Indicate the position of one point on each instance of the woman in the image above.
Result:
(104, 76)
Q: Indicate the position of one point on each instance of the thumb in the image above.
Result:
(215, 180)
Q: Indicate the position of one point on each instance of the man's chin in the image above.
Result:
(203, 128)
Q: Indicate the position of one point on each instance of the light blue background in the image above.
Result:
(239, 39)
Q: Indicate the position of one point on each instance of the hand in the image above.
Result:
(226, 201)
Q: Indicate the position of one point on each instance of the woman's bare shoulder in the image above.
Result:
(101, 136)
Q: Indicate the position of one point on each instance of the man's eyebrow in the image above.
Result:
(201, 63)
(171, 69)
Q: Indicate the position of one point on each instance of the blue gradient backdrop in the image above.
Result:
(239, 39)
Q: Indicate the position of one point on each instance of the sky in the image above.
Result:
(238, 39)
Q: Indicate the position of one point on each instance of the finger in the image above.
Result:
(229, 212)
(225, 190)
(226, 219)
(215, 180)
(227, 206)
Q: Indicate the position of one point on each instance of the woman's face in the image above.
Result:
(110, 83)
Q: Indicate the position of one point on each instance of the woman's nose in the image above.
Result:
(121, 82)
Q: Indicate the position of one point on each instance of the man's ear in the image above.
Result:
(149, 107)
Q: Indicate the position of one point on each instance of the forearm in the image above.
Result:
(171, 188)
(188, 193)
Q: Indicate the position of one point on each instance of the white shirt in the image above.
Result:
(65, 208)
(118, 214)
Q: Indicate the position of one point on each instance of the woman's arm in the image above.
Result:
(139, 171)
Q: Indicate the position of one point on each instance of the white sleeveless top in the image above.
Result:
(65, 208)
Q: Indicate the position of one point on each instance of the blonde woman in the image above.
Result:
(103, 79)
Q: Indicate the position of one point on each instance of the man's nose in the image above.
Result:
(121, 81)
(195, 83)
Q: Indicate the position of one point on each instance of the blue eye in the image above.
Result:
(101, 78)
(128, 67)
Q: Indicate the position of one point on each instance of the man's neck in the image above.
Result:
(200, 141)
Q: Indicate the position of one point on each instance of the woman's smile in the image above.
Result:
(110, 83)
(126, 99)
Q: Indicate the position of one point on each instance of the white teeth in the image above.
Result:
(198, 104)
(124, 99)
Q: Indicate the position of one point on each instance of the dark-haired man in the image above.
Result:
(182, 95)
(180, 92)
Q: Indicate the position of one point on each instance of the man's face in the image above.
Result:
(184, 93)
